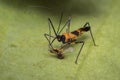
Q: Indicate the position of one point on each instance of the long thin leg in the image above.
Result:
(67, 23)
(48, 39)
(49, 36)
(49, 31)
(88, 25)
(64, 46)
(74, 41)
(92, 38)
(79, 50)
(68, 26)
(60, 22)
(50, 23)
(52, 40)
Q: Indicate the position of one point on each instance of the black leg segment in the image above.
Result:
(88, 27)
(79, 51)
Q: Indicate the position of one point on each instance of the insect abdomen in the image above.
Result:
(76, 32)
(85, 29)
(80, 31)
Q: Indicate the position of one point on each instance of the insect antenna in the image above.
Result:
(60, 22)
(67, 23)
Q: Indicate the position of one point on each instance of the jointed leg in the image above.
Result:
(48, 39)
(50, 24)
(92, 38)
(49, 36)
(88, 25)
(60, 22)
(75, 42)
(79, 50)
(66, 24)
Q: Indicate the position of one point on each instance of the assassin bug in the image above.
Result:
(67, 37)
(58, 51)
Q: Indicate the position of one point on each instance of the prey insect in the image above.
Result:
(68, 37)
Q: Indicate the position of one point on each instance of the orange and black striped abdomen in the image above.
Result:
(80, 31)
(76, 32)
(66, 37)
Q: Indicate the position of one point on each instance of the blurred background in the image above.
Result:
(24, 51)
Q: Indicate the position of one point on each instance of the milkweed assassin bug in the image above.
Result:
(68, 37)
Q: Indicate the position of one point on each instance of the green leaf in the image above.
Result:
(24, 51)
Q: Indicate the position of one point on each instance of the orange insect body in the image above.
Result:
(73, 35)
(69, 36)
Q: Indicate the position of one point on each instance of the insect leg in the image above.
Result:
(66, 24)
(75, 42)
(60, 22)
(48, 39)
(92, 37)
(51, 24)
(49, 36)
(79, 50)
(88, 25)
